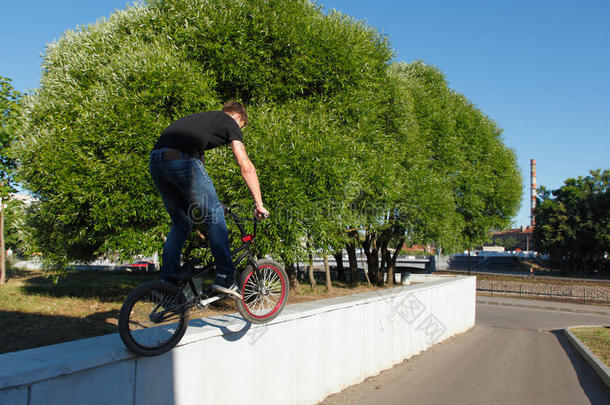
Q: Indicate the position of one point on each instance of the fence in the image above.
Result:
(575, 292)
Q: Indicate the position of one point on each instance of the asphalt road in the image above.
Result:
(516, 354)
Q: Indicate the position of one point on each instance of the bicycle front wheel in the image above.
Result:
(153, 318)
(264, 291)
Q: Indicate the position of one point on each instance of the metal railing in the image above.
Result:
(581, 293)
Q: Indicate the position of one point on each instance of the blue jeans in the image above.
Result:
(189, 197)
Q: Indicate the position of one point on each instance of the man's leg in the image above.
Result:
(177, 207)
(205, 201)
(219, 244)
(172, 249)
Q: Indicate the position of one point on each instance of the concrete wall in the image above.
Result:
(441, 262)
(309, 352)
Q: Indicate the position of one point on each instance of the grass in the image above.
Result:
(597, 339)
(35, 311)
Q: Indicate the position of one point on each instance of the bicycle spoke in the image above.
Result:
(155, 318)
(263, 292)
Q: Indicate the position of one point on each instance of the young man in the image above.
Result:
(176, 166)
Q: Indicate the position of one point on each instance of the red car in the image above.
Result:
(141, 265)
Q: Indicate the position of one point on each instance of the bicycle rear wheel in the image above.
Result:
(153, 318)
(264, 291)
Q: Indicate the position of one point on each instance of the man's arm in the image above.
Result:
(248, 172)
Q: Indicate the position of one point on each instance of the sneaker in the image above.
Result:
(178, 277)
(226, 286)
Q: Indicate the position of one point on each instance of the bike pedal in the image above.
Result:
(209, 300)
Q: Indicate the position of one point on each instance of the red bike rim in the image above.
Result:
(279, 303)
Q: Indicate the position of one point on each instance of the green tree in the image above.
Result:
(107, 90)
(17, 230)
(573, 222)
(10, 108)
(342, 139)
(510, 243)
(452, 178)
(481, 181)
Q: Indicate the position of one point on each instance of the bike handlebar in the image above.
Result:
(239, 221)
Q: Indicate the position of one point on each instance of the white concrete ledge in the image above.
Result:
(600, 368)
(310, 351)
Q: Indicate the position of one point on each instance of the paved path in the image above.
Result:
(515, 355)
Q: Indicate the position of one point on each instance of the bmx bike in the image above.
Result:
(155, 315)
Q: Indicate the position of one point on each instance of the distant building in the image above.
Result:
(521, 238)
(27, 199)
(416, 249)
(498, 249)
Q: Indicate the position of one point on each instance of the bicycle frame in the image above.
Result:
(243, 251)
(163, 308)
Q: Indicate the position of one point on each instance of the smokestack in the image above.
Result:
(533, 190)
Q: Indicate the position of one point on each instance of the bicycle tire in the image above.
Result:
(264, 292)
(153, 318)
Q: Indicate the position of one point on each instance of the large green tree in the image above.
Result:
(343, 140)
(452, 179)
(479, 183)
(107, 91)
(573, 222)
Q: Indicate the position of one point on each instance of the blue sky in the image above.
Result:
(539, 68)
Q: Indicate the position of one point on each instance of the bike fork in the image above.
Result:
(252, 262)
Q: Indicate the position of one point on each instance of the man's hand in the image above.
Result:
(260, 212)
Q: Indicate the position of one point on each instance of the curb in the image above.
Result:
(600, 368)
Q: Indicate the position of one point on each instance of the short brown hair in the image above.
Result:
(235, 107)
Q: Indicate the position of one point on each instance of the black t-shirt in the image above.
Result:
(199, 132)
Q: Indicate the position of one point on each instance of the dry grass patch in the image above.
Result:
(597, 339)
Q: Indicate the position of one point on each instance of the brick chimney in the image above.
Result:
(533, 191)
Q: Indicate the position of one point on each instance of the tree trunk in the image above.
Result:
(384, 240)
(387, 258)
(373, 264)
(292, 276)
(340, 270)
(329, 284)
(312, 279)
(366, 272)
(353, 263)
(372, 257)
(390, 260)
